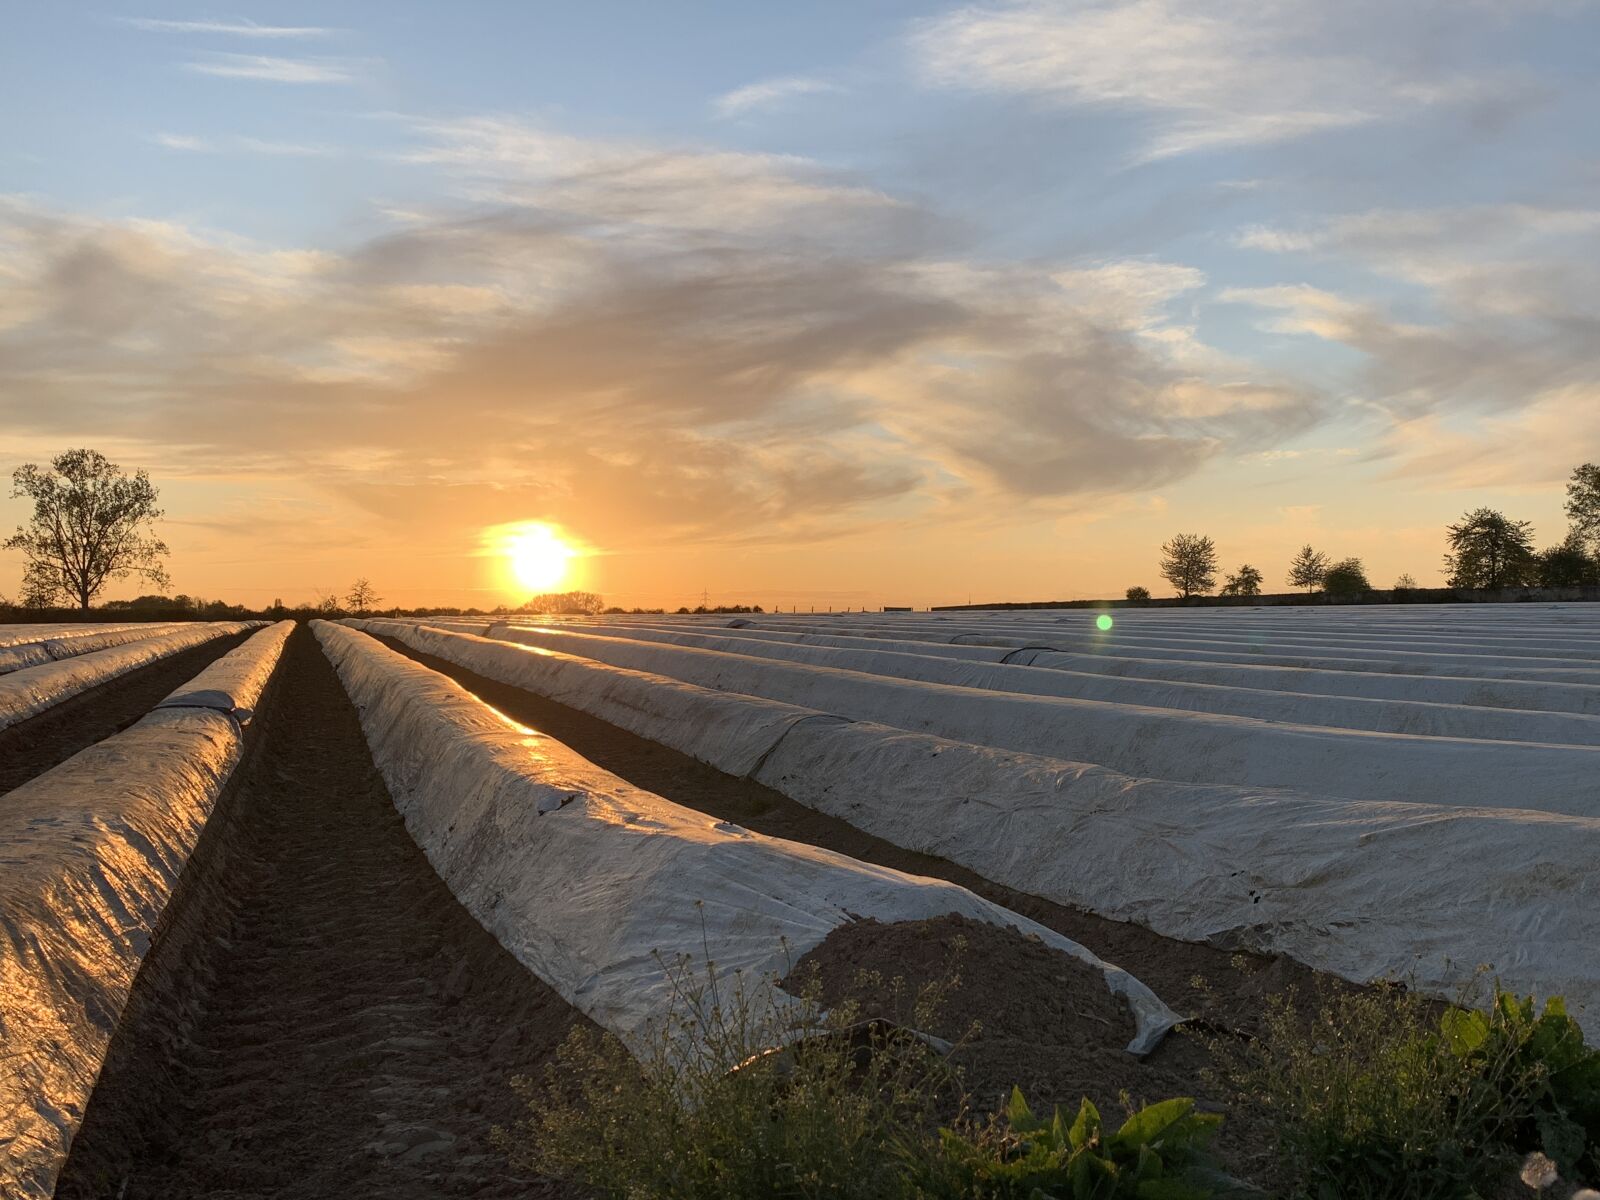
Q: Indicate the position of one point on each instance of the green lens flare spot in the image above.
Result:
(1102, 622)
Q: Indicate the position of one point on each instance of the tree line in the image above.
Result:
(1485, 550)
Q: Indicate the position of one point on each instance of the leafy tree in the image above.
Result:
(1189, 564)
(1137, 594)
(1583, 505)
(363, 596)
(1308, 568)
(91, 524)
(1488, 550)
(1345, 578)
(1246, 581)
(1568, 563)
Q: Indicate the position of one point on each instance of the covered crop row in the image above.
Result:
(90, 853)
(1365, 889)
(31, 690)
(594, 884)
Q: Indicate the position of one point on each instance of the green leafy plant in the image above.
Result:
(725, 1102)
(1555, 1076)
(1156, 1154)
(1381, 1096)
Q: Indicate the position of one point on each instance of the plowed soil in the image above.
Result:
(33, 746)
(325, 1020)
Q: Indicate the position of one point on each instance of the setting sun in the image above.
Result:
(537, 556)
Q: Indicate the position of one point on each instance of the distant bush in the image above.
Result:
(1346, 578)
(1138, 595)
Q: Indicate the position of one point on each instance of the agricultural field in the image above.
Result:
(285, 909)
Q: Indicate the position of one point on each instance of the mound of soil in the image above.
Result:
(1021, 1014)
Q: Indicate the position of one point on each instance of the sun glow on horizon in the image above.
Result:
(537, 556)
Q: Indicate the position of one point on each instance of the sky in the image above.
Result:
(825, 304)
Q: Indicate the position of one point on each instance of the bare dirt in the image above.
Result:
(1035, 1037)
(320, 1018)
(32, 747)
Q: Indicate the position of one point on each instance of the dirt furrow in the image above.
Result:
(32, 747)
(342, 1027)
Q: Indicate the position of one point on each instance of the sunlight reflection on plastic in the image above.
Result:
(1102, 622)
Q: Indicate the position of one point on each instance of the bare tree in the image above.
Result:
(1488, 550)
(91, 524)
(1583, 505)
(1308, 568)
(1189, 564)
(1405, 583)
(1246, 581)
(363, 596)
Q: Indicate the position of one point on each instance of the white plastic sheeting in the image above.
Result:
(1189, 747)
(48, 648)
(233, 683)
(90, 853)
(30, 691)
(1366, 890)
(1436, 689)
(585, 878)
(1239, 699)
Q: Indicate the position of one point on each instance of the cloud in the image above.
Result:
(277, 70)
(769, 93)
(1502, 314)
(242, 145)
(651, 344)
(180, 141)
(1209, 73)
(242, 28)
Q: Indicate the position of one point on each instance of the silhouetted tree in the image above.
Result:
(1137, 594)
(1189, 564)
(1246, 581)
(1488, 550)
(90, 525)
(363, 596)
(1568, 563)
(1583, 505)
(1405, 582)
(1308, 568)
(1346, 578)
(565, 603)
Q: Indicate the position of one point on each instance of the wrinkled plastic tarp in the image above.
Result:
(30, 691)
(234, 683)
(1238, 698)
(1366, 890)
(1153, 743)
(584, 878)
(90, 853)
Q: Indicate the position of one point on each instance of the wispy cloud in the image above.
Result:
(278, 70)
(1209, 73)
(239, 28)
(241, 145)
(182, 141)
(768, 93)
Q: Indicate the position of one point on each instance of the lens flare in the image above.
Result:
(1102, 622)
